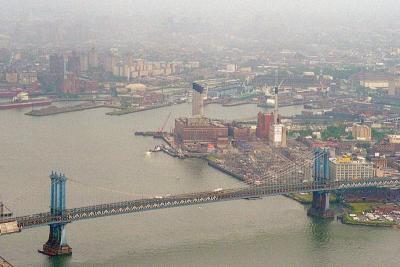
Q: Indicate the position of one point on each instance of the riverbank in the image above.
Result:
(212, 161)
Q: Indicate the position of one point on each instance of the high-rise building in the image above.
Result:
(57, 64)
(277, 135)
(57, 71)
(110, 62)
(197, 101)
(264, 123)
(73, 64)
(84, 62)
(361, 132)
(93, 58)
(71, 84)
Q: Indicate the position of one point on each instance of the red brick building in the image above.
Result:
(243, 134)
(264, 122)
(200, 131)
(75, 85)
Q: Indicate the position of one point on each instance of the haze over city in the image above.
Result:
(199, 133)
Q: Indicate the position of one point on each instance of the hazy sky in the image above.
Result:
(220, 8)
(256, 18)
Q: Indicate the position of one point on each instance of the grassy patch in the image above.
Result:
(302, 198)
(212, 157)
(359, 207)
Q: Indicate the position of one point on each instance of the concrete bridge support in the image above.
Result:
(320, 199)
(57, 243)
(320, 205)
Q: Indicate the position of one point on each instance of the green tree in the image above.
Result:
(333, 132)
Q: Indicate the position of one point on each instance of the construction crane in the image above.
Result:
(161, 130)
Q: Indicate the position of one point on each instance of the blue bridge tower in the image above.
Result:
(320, 199)
(57, 243)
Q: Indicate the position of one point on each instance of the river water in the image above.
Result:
(111, 164)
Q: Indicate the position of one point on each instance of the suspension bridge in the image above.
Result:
(320, 185)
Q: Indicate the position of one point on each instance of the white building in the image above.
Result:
(346, 169)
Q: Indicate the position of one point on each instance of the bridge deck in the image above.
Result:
(110, 209)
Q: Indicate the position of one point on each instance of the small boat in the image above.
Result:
(156, 149)
(252, 198)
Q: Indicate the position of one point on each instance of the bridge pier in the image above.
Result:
(320, 206)
(57, 243)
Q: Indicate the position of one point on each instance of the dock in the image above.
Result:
(238, 103)
(4, 263)
(52, 110)
(151, 133)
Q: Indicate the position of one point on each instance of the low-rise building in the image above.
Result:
(200, 131)
(394, 139)
(347, 169)
(361, 132)
(27, 78)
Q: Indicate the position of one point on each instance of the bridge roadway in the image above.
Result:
(110, 209)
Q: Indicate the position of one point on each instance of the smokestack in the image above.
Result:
(197, 101)
(276, 97)
(276, 106)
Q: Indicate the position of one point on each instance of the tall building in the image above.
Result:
(57, 71)
(84, 62)
(110, 62)
(347, 169)
(71, 84)
(197, 101)
(93, 58)
(57, 64)
(277, 133)
(277, 136)
(73, 64)
(361, 132)
(264, 123)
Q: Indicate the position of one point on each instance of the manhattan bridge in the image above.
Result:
(296, 177)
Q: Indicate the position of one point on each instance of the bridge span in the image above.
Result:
(138, 205)
(59, 215)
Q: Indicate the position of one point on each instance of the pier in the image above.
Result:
(4, 263)
(124, 111)
(52, 110)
